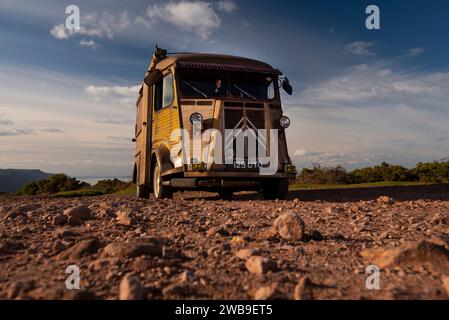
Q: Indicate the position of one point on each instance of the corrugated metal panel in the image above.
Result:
(225, 67)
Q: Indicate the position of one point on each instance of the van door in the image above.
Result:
(165, 114)
(143, 135)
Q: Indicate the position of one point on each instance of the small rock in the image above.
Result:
(14, 213)
(412, 254)
(245, 253)
(58, 246)
(268, 293)
(59, 220)
(168, 253)
(385, 200)
(16, 289)
(80, 212)
(186, 277)
(75, 221)
(303, 290)
(445, 280)
(102, 264)
(225, 247)
(64, 233)
(290, 226)
(20, 211)
(316, 235)
(237, 240)
(176, 290)
(81, 249)
(10, 247)
(135, 248)
(130, 288)
(217, 230)
(260, 265)
(125, 218)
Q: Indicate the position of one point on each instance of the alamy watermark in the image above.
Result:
(242, 147)
(373, 20)
(372, 282)
(72, 282)
(73, 21)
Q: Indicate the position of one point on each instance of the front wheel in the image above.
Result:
(275, 189)
(160, 191)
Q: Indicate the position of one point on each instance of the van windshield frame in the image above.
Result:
(218, 84)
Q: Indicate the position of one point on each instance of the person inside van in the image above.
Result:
(220, 90)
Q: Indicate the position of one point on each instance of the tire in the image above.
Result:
(225, 194)
(276, 189)
(160, 191)
(142, 192)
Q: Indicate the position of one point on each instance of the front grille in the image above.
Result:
(255, 119)
(233, 119)
(244, 119)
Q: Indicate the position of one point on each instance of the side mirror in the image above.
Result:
(287, 86)
(152, 77)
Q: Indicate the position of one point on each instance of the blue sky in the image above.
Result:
(361, 96)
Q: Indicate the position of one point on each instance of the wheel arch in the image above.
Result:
(161, 154)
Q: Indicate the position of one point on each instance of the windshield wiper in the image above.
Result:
(195, 89)
(245, 93)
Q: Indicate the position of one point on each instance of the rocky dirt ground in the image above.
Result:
(315, 245)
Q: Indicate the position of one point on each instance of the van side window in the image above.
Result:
(164, 93)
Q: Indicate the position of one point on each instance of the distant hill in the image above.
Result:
(12, 180)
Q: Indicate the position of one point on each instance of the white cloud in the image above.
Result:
(300, 152)
(15, 132)
(416, 51)
(227, 6)
(143, 22)
(119, 139)
(6, 122)
(88, 43)
(60, 32)
(360, 48)
(100, 25)
(52, 130)
(115, 121)
(197, 16)
(375, 112)
(361, 84)
(120, 91)
(384, 73)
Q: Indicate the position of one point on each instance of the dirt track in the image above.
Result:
(192, 247)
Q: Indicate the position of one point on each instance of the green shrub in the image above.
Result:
(56, 183)
(435, 172)
(320, 175)
(110, 186)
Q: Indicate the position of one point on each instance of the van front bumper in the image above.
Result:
(237, 174)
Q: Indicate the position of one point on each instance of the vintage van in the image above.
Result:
(211, 122)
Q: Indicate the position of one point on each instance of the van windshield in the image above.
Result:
(202, 84)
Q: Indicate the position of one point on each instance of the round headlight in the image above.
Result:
(284, 122)
(196, 118)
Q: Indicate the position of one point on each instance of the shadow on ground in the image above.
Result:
(411, 193)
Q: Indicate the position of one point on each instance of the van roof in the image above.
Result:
(217, 62)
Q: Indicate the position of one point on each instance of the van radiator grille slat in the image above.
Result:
(244, 119)
(232, 118)
(256, 119)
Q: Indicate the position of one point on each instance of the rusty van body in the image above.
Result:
(193, 95)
